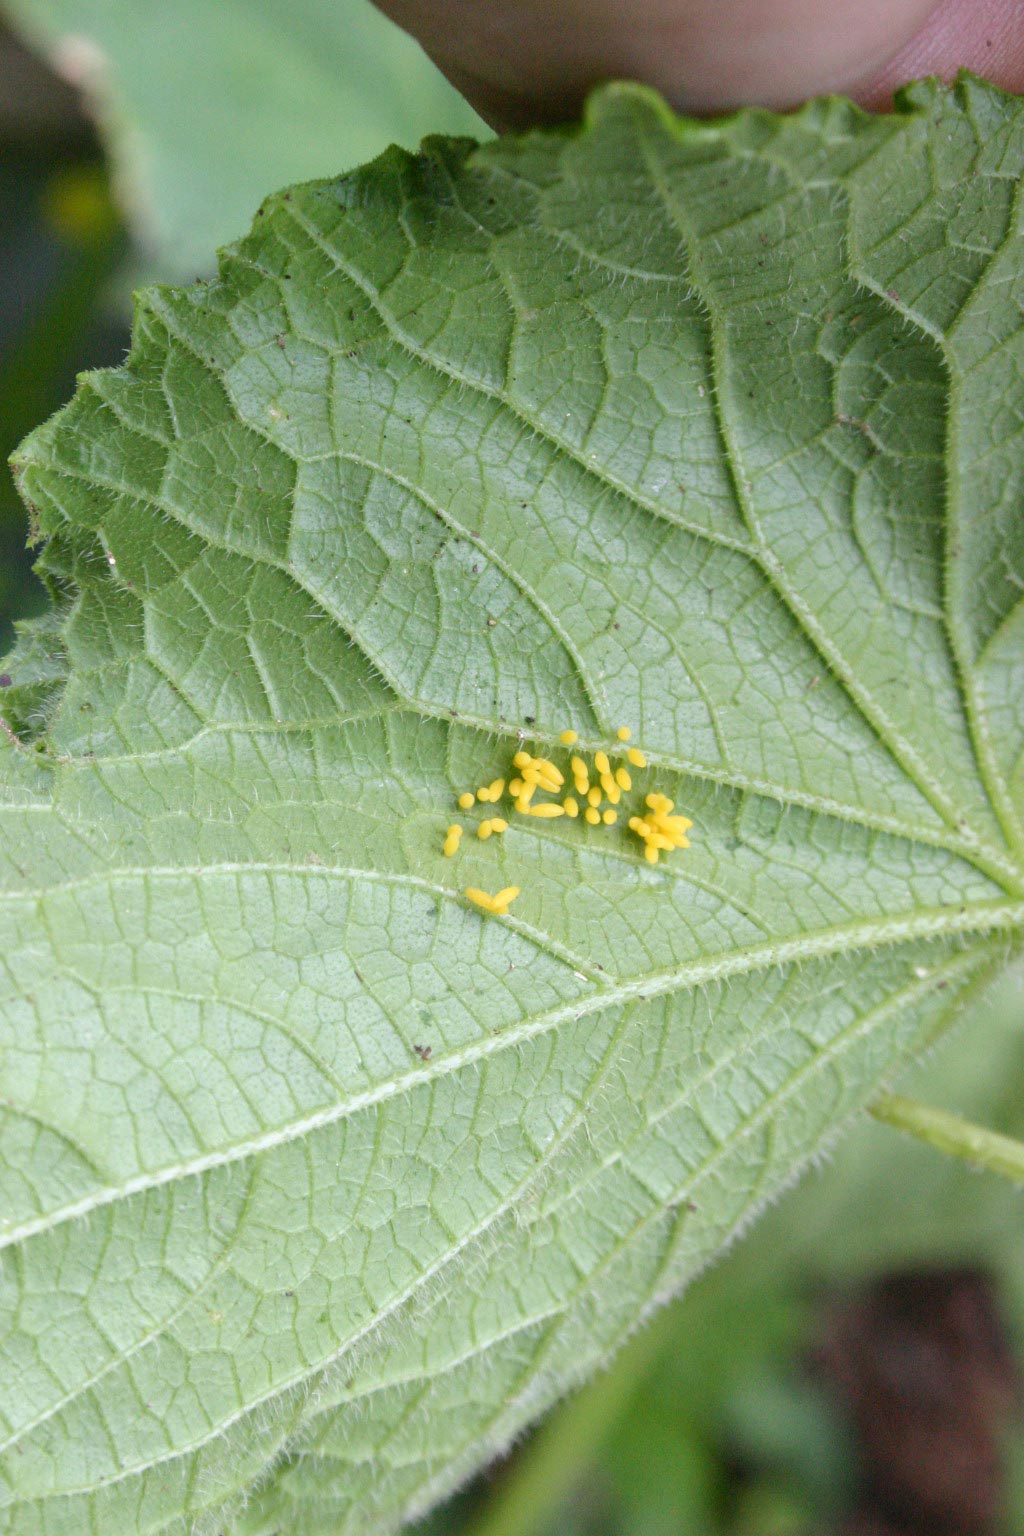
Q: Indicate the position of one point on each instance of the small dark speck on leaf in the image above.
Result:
(530, 719)
(282, 341)
(289, 1293)
(5, 679)
(892, 294)
(476, 570)
(423, 1052)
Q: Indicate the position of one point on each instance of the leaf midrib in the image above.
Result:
(862, 1023)
(659, 1293)
(977, 919)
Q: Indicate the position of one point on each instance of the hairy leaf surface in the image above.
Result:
(318, 1183)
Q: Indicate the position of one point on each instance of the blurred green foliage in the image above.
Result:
(207, 107)
(59, 242)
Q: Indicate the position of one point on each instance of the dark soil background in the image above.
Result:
(922, 1365)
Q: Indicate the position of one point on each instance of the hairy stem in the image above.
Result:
(953, 1135)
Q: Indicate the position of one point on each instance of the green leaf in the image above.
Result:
(319, 1183)
(206, 105)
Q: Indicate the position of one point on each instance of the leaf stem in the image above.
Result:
(953, 1135)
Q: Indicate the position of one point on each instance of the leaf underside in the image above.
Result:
(318, 1184)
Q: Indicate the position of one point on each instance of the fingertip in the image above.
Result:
(983, 36)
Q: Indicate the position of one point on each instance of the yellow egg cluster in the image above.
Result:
(660, 831)
(598, 789)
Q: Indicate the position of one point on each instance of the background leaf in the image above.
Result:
(206, 106)
(682, 426)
